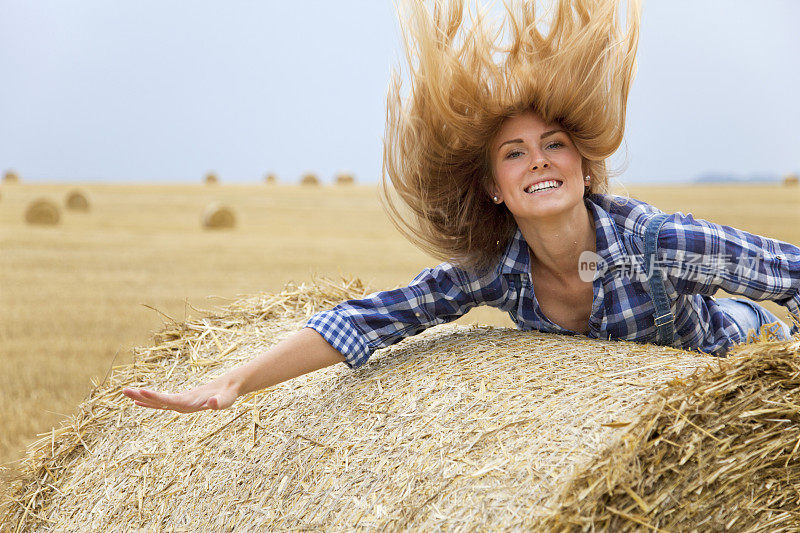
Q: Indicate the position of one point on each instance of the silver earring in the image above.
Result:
(587, 179)
(495, 199)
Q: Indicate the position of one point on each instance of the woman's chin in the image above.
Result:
(546, 208)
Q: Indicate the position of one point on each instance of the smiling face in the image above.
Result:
(537, 169)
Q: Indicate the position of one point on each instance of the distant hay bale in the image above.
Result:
(77, 201)
(309, 178)
(345, 179)
(211, 179)
(271, 179)
(458, 428)
(217, 216)
(10, 177)
(42, 212)
(791, 180)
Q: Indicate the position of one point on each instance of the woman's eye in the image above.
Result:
(555, 144)
(513, 154)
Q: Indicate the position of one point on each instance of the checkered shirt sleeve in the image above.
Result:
(357, 328)
(701, 257)
(340, 333)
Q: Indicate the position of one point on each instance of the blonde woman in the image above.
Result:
(494, 161)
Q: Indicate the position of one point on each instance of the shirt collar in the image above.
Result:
(610, 247)
(515, 260)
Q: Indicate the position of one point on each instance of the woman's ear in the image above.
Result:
(492, 190)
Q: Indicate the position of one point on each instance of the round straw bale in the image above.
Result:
(42, 212)
(791, 180)
(716, 451)
(77, 201)
(457, 427)
(309, 178)
(10, 177)
(271, 178)
(217, 216)
(211, 179)
(344, 178)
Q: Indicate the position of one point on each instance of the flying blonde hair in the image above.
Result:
(465, 81)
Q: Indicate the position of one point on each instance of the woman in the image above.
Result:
(499, 168)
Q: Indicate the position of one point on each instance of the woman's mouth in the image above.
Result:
(543, 186)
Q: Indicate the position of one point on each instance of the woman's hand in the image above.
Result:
(213, 395)
(303, 352)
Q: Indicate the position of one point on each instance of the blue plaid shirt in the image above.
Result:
(697, 257)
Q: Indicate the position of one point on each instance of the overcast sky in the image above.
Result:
(167, 90)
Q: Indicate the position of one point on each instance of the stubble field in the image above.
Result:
(71, 295)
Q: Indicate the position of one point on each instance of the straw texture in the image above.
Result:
(719, 452)
(459, 428)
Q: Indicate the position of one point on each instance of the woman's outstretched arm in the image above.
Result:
(303, 352)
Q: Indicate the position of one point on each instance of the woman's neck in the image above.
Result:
(556, 243)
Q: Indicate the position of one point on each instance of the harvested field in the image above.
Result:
(459, 426)
(72, 294)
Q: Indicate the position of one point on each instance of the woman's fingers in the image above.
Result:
(143, 396)
(134, 394)
(209, 396)
(184, 402)
(160, 398)
(145, 404)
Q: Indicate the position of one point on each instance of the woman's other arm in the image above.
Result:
(348, 333)
(356, 328)
(702, 257)
(303, 352)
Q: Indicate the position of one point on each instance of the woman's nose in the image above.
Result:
(540, 164)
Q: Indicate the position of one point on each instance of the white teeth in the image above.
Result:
(549, 184)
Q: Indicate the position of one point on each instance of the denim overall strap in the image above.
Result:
(665, 326)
